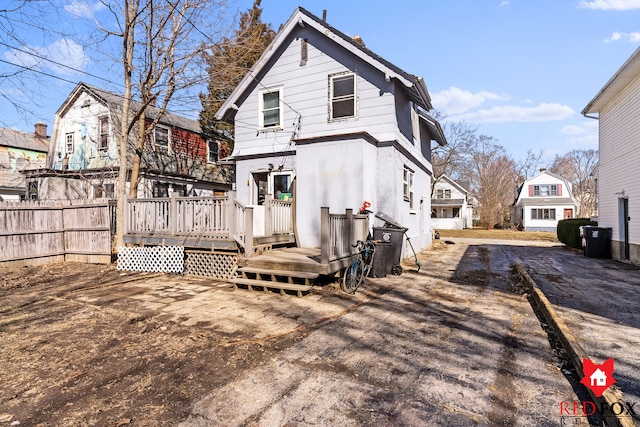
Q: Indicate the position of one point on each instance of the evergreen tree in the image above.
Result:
(227, 63)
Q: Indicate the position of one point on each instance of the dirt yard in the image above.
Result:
(90, 345)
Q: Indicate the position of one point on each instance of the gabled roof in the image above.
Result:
(453, 183)
(23, 140)
(112, 100)
(629, 71)
(415, 86)
(564, 200)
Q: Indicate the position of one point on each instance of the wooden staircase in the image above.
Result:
(253, 278)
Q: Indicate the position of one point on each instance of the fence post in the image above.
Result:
(232, 219)
(325, 235)
(268, 215)
(350, 227)
(248, 232)
(126, 214)
(173, 213)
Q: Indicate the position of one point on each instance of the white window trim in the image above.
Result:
(408, 178)
(355, 96)
(100, 120)
(156, 146)
(280, 90)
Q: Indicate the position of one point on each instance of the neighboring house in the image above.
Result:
(542, 201)
(451, 205)
(321, 110)
(617, 106)
(83, 158)
(20, 151)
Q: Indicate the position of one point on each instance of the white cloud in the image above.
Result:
(630, 37)
(587, 127)
(456, 101)
(504, 3)
(512, 113)
(82, 9)
(584, 134)
(610, 4)
(63, 51)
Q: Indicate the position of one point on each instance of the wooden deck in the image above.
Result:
(296, 259)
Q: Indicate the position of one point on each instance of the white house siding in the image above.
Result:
(618, 172)
(83, 122)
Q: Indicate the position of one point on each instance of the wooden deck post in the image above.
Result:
(248, 232)
(325, 234)
(232, 219)
(350, 227)
(173, 214)
(127, 214)
(268, 212)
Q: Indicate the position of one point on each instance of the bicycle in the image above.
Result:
(360, 266)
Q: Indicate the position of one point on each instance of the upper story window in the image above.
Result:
(161, 139)
(68, 138)
(545, 190)
(104, 133)
(443, 193)
(213, 150)
(342, 96)
(271, 109)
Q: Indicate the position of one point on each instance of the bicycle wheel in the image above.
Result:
(353, 276)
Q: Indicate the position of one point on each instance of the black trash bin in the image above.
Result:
(597, 242)
(388, 252)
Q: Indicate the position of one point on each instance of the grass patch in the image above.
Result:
(481, 233)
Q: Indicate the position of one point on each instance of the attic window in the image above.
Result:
(342, 96)
(86, 103)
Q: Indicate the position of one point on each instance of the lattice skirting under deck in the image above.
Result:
(209, 264)
(157, 259)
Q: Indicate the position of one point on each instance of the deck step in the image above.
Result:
(280, 273)
(269, 284)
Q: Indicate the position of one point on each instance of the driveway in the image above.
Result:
(455, 344)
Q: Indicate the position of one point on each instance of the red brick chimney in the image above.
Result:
(41, 130)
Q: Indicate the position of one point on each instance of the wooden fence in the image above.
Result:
(339, 232)
(54, 231)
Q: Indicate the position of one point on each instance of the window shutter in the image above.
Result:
(559, 189)
(530, 190)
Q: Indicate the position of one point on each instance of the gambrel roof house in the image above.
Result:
(320, 108)
(20, 151)
(543, 200)
(617, 108)
(84, 157)
(451, 205)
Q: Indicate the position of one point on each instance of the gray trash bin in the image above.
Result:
(389, 251)
(597, 242)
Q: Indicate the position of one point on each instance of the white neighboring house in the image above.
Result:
(451, 205)
(542, 201)
(617, 106)
(349, 126)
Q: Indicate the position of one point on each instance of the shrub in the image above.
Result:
(569, 231)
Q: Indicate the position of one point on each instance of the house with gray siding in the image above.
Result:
(323, 120)
(617, 108)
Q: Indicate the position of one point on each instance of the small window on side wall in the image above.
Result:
(407, 186)
(104, 133)
(68, 137)
(342, 96)
(161, 139)
(213, 151)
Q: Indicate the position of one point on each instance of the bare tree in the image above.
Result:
(161, 42)
(493, 177)
(577, 167)
(530, 165)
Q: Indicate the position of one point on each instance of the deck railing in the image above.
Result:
(339, 232)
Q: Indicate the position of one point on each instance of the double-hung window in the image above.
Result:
(271, 109)
(212, 151)
(104, 133)
(407, 186)
(161, 139)
(342, 96)
(68, 137)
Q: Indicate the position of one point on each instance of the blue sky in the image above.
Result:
(518, 70)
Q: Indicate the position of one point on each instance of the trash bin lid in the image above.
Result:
(389, 221)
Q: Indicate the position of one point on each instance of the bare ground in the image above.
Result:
(77, 349)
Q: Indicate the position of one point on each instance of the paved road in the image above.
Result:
(456, 344)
